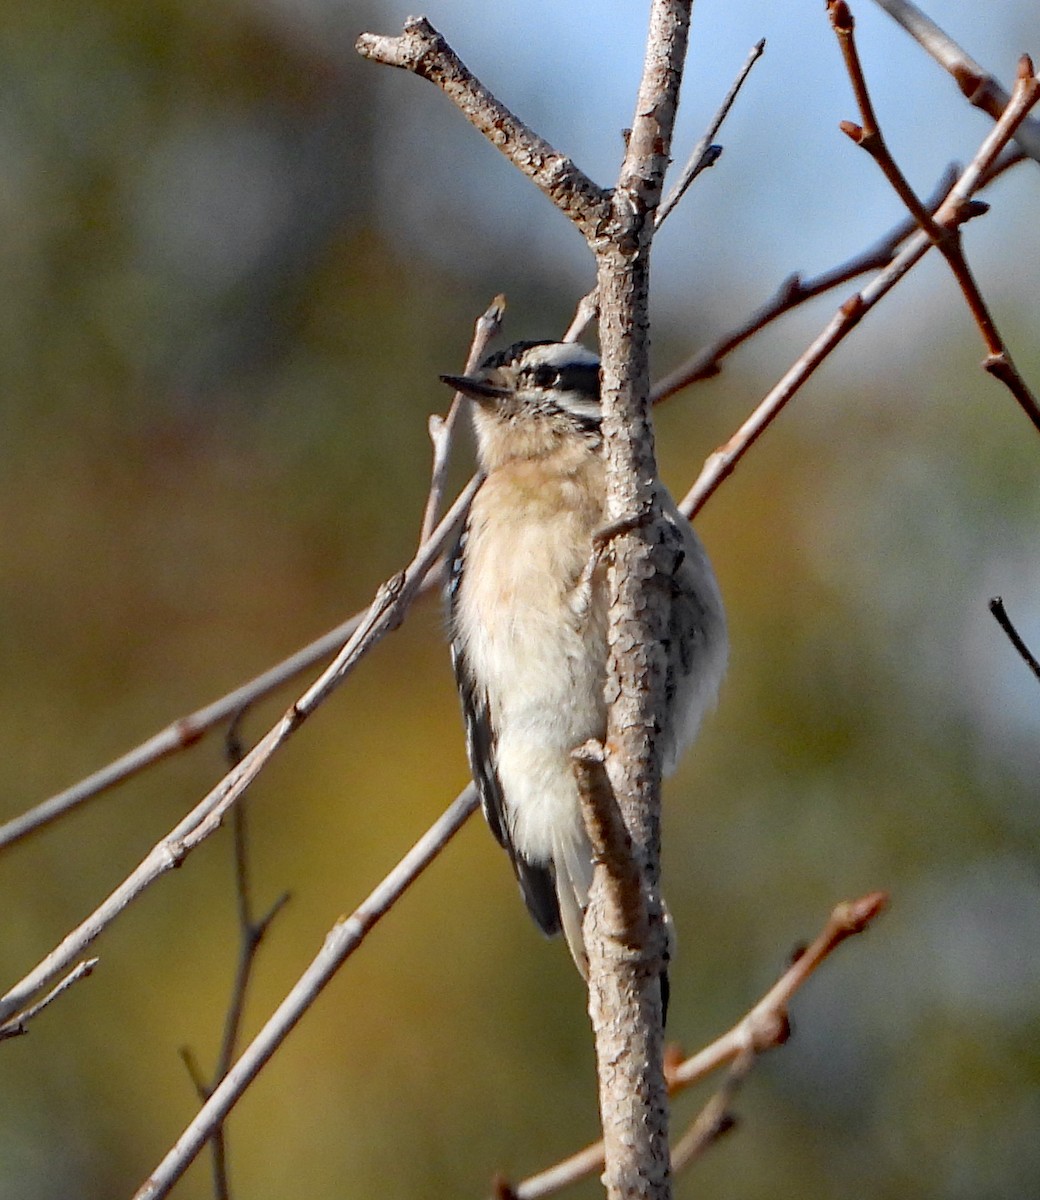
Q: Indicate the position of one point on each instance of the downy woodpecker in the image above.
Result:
(528, 618)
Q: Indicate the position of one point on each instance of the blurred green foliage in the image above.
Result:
(217, 358)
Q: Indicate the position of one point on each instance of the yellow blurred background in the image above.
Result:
(234, 260)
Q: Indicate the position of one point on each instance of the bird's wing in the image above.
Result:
(536, 881)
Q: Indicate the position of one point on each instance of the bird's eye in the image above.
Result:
(545, 376)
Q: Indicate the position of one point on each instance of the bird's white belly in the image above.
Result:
(543, 672)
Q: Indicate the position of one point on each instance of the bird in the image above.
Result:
(528, 613)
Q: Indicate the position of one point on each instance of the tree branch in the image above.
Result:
(707, 362)
(946, 237)
(424, 52)
(442, 428)
(340, 943)
(385, 614)
(978, 86)
(703, 156)
(622, 906)
(624, 980)
(704, 153)
(764, 1027)
(957, 208)
(996, 607)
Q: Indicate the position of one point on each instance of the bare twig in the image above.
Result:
(704, 154)
(980, 88)
(342, 940)
(954, 210)
(385, 614)
(442, 428)
(716, 1117)
(707, 362)
(585, 313)
(945, 236)
(623, 907)
(250, 934)
(996, 607)
(764, 1027)
(423, 51)
(187, 730)
(19, 1024)
(180, 734)
(868, 135)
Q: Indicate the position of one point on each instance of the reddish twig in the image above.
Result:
(707, 362)
(945, 235)
(957, 208)
(763, 1028)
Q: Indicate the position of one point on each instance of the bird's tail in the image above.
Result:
(572, 867)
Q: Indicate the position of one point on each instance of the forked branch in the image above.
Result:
(340, 943)
(943, 233)
(384, 614)
(957, 208)
(423, 51)
(764, 1027)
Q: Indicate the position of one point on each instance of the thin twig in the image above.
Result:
(868, 135)
(624, 909)
(188, 730)
(704, 153)
(703, 156)
(185, 731)
(385, 613)
(707, 362)
(251, 933)
(716, 1117)
(764, 1027)
(19, 1023)
(980, 88)
(442, 429)
(585, 313)
(955, 209)
(340, 943)
(946, 237)
(996, 607)
(423, 51)
(794, 291)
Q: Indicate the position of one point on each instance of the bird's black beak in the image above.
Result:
(476, 389)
